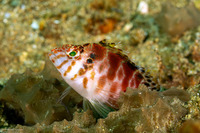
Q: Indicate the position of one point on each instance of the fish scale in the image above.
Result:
(99, 72)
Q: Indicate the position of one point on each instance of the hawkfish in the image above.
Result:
(99, 72)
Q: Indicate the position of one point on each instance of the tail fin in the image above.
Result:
(148, 80)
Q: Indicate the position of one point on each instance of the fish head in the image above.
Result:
(68, 56)
(73, 62)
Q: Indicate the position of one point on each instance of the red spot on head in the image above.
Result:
(68, 50)
(54, 51)
(63, 47)
(114, 62)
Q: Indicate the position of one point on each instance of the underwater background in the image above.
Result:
(162, 36)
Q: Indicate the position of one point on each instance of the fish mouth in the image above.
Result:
(51, 55)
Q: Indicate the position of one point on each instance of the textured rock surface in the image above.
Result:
(34, 97)
(175, 21)
(146, 111)
(190, 126)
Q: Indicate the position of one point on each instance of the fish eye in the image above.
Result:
(89, 61)
(73, 53)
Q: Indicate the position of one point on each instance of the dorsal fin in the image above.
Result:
(111, 47)
(105, 43)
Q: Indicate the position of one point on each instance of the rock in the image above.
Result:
(175, 21)
(190, 126)
(34, 96)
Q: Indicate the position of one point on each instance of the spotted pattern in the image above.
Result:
(75, 76)
(101, 82)
(92, 75)
(63, 63)
(85, 81)
(73, 63)
(81, 71)
(100, 69)
(68, 70)
(59, 56)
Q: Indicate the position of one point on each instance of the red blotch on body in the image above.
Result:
(128, 73)
(113, 88)
(99, 51)
(136, 80)
(102, 81)
(101, 67)
(113, 95)
(120, 73)
(114, 62)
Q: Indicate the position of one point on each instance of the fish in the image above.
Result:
(99, 72)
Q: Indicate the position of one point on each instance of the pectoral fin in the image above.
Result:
(99, 109)
(64, 94)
